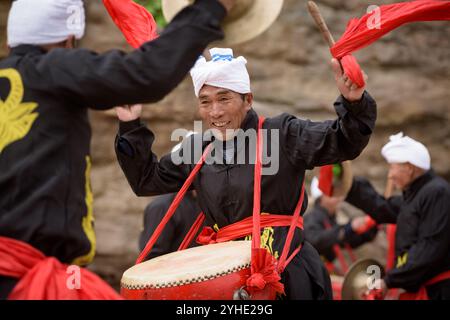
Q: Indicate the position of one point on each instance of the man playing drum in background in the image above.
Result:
(225, 189)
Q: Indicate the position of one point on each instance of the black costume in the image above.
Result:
(177, 227)
(45, 195)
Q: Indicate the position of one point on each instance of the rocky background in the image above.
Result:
(409, 72)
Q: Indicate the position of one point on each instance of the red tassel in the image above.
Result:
(264, 272)
(136, 23)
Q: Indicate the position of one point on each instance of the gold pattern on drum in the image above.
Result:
(16, 117)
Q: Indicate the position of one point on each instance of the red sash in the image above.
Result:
(45, 278)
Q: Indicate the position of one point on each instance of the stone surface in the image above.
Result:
(409, 76)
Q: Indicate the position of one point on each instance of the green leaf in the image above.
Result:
(155, 8)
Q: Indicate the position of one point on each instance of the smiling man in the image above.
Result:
(225, 189)
(422, 216)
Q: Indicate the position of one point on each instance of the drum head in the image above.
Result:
(189, 266)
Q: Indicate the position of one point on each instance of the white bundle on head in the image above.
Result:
(402, 149)
(45, 21)
(223, 71)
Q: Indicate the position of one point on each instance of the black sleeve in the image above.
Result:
(146, 175)
(320, 143)
(102, 81)
(315, 233)
(432, 246)
(355, 240)
(363, 196)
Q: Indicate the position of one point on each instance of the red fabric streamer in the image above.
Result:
(45, 278)
(362, 32)
(390, 234)
(136, 23)
(326, 180)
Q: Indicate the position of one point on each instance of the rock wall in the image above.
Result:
(409, 76)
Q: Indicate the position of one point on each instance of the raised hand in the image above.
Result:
(129, 112)
(348, 89)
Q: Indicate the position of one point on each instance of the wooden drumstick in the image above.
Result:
(317, 16)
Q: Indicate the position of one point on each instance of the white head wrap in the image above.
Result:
(45, 21)
(315, 191)
(223, 71)
(402, 149)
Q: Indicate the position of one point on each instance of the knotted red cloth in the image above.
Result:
(264, 272)
(136, 23)
(362, 32)
(45, 278)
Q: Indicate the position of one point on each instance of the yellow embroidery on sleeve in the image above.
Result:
(88, 221)
(16, 118)
(401, 260)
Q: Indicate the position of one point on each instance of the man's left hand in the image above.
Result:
(348, 89)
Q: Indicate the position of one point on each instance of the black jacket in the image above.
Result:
(324, 239)
(176, 229)
(422, 215)
(225, 191)
(45, 195)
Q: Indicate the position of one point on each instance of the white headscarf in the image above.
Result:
(223, 71)
(45, 21)
(402, 149)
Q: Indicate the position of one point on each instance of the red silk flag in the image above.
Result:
(364, 31)
(136, 23)
(326, 180)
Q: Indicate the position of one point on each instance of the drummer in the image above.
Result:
(225, 188)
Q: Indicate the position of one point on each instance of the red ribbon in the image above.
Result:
(136, 23)
(362, 32)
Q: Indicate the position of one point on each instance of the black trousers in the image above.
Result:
(6, 286)
(306, 277)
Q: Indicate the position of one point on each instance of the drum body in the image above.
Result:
(211, 272)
